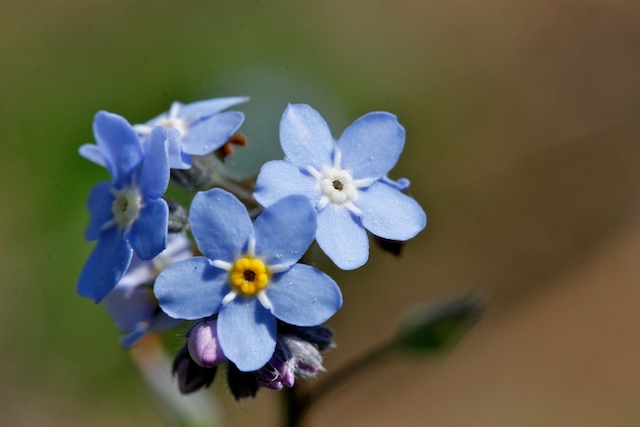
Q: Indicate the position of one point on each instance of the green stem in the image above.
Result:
(299, 404)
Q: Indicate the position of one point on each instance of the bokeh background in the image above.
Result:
(523, 146)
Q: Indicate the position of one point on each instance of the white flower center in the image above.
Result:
(174, 122)
(337, 185)
(126, 206)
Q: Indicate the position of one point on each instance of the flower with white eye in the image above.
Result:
(198, 128)
(128, 214)
(346, 180)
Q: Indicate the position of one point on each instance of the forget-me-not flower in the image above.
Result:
(346, 180)
(249, 275)
(132, 304)
(198, 128)
(127, 214)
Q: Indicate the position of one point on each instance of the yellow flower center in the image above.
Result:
(249, 276)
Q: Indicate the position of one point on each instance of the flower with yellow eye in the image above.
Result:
(249, 275)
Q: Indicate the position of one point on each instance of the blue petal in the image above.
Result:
(305, 137)
(154, 177)
(278, 179)
(105, 266)
(220, 224)
(206, 136)
(119, 145)
(99, 205)
(191, 289)
(148, 233)
(342, 237)
(92, 153)
(129, 307)
(247, 333)
(371, 145)
(304, 296)
(177, 159)
(199, 109)
(285, 230)
(390, 214)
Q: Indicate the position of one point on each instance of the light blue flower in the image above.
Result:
(346, 180)
(198, 128)
(249, 275)
(132, 304)
(128, 213)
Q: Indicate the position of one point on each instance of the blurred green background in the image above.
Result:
(523, 136)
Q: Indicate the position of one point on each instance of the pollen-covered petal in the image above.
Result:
(119, 145)
(92, 153)
(99, 205)
(390, 214)
(105, 266)
(372, 145)
(148, 233)
(285, 230)
(305, 137)
(207, 135)
(220, 224)
(278, 179)
(342, 237)
(191, 289)
(209, 107)
(304, 296)
(247, 333)
(154, 177)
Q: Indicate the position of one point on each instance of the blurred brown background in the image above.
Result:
(523, 146)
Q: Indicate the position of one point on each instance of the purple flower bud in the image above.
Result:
(278, 372)
(204, 346)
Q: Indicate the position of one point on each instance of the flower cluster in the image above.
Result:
(255, 304)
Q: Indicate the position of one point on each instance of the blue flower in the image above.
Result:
(345, 180)
(132, 304)
(198, 128)
(249, 275)
(127, 214)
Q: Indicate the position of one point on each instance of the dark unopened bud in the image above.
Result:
(191, 376)
(393, 246)
(178, 218)
(199, 176)
(241, 384)
(320, 336)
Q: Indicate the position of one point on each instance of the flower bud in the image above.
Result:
(191, 377)
(279, 371)
(241, 384)
(203, 344)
